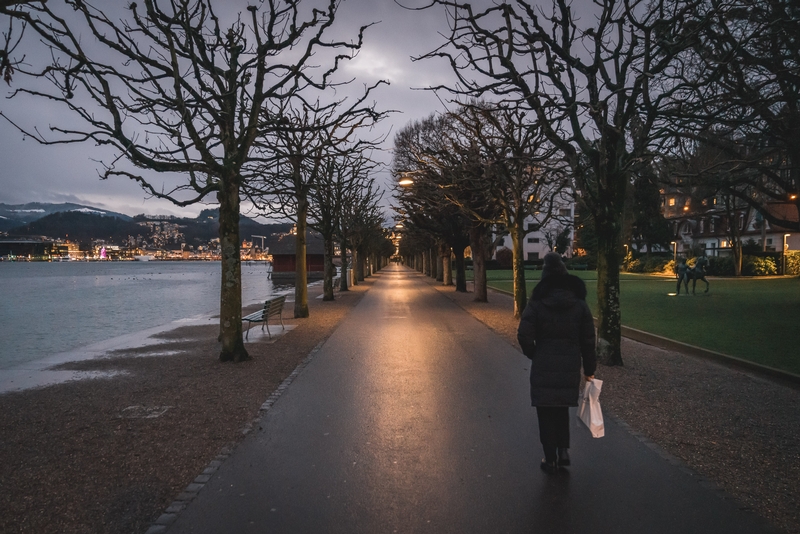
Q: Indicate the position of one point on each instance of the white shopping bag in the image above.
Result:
(589, 408)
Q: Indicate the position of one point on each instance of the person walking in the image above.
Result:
(556, 331)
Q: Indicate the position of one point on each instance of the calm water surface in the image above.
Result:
(47, 308)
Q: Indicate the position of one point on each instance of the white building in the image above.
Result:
(540, 237)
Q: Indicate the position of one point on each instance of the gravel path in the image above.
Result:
(737, 429)
(109, 455)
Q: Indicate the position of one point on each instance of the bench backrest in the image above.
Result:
(274, 306)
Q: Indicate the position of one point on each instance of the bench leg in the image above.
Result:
(268, 332)
(247, 334)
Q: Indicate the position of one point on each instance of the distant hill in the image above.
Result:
(16, 215)
(81, 227)
(85, 225)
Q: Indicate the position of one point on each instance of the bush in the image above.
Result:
(589, 261)
(793, 262)
(758, 266)
(635, 266)
(653, 264)
(720, 266)
(504, 257)
(657, 264)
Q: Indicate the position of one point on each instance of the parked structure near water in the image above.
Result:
(284, 258)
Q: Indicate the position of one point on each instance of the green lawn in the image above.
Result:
(750, 318)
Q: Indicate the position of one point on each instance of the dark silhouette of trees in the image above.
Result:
(740, 93)
(172, 90)
(295, 152)
(428, 216)
(649, 228)
(589, 81)
(518, 172)
(345, 193)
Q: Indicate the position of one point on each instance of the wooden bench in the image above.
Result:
(272, 307)
(578, 267)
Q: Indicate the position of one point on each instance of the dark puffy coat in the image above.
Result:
(557, 332)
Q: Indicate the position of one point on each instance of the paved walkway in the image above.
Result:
(415, 417)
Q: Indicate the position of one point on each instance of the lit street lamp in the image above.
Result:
(783, 254)
(674, 251)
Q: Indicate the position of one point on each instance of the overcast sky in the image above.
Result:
(31, 172)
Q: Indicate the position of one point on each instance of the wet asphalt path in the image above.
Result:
(415, 417)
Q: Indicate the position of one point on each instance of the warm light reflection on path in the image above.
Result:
(415, 417)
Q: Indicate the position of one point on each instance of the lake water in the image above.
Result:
(49, 308)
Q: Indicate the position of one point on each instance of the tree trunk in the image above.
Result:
(360, 265)
(343, 282)
(478, 243)
(609, 332)
(330, 271)
(439, 262)
(461, 271)
(518, 267)
(301, 270)
(354, 267)
(447, 268)
(230, 309)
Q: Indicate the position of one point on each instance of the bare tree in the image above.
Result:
(296, 150)
(172, 90)
(427, 214)
(740, 92)
(343, 182)
(520, 174)
(588, 82)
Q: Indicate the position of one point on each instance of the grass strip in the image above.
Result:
(751, 318)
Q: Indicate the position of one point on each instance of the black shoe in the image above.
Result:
(548, 467)
(563, 457)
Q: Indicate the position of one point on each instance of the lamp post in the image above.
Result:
(783, 254)
(674, 251)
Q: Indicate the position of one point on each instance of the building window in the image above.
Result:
(534, 227)
(672, 201)
(711, 226)
(533, 240)
(533, 255)
(702, 225)
(565, 212)
(769, 241)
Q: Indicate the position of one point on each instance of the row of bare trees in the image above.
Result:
(477, 172)
(621, 87)
(199, 106)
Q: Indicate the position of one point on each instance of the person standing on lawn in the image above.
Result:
(556, 332)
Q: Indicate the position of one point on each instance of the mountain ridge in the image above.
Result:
(84, 224)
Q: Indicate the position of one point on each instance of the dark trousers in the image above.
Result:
(553, 429)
